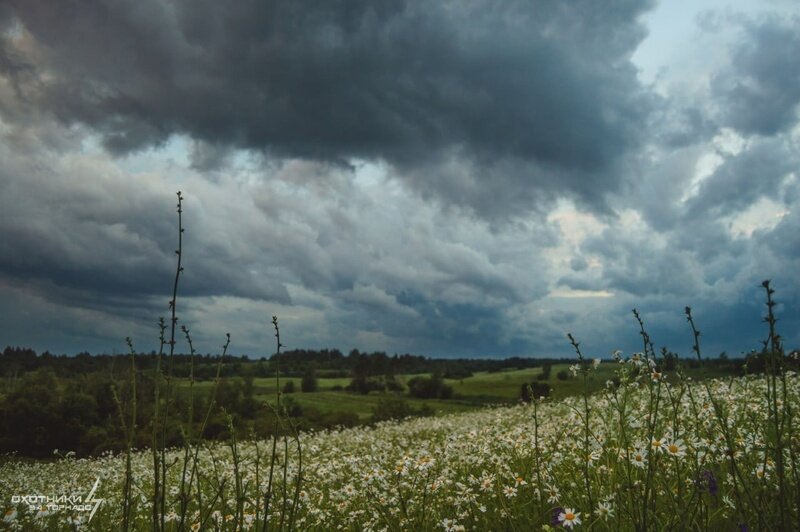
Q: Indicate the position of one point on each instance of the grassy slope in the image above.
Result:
(481, 389)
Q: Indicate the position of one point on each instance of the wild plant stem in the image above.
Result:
(776, 367)
(722, 420)
(186, 488)
(154, 439)
(173, 325)
(586, 432)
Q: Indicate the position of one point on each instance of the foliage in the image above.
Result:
(534, 390)
(309, 383)
(432, 387)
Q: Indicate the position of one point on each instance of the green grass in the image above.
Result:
(362, 405)
(483, 388)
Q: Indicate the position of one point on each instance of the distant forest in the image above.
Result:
(327, 362)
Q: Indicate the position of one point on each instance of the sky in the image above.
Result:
(449, 179)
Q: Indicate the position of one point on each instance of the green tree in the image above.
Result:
(309, 382)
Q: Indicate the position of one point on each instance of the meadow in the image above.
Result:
(659, 456)
(477, 391)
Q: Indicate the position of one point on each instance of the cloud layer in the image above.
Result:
(447, 179)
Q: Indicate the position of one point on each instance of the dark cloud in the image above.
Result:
(784, 239)
(546, 87)
(74, 230)
(578, 264)
(756, 172)
(761, 93)
(447, 179)
(81, 236)
(680, 124)
(209, 158)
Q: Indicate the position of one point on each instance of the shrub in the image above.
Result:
(429, 388)
(391, 406)
(457, 373)
(364, 386)
(534, 390)
(393, 385)
(309, 382)
(546, 370)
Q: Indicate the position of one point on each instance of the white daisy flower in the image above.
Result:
(569, 517)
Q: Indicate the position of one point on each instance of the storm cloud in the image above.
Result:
(454, 179)
(543, 92)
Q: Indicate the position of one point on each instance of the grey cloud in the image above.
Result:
(79, 234)
(740, 180)
(207, 157)
(784, 239)
(659, 189)
(74, 230)
(677, 124)
(761, 94)
(641, 266)
(578, 264)
(482, 117)
(546, 86)
(581, 281)
(705, 239)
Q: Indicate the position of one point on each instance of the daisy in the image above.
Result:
(569, 517)
(451, 525)
(639, 458)
(593, 457)
(552, 494)
(657, 444)
(605, 510)
(675, 448)
(728, 502)
(510, 491)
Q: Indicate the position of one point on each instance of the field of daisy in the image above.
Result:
(641, 455)
(645, 450)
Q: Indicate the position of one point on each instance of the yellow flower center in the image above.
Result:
(569, 516)
(673, 448)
